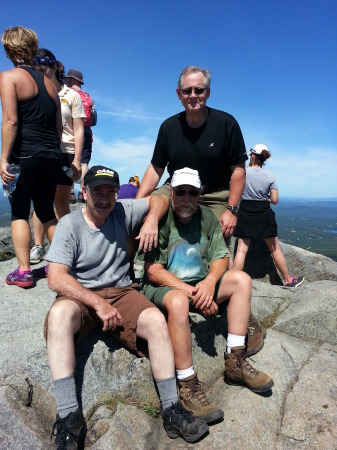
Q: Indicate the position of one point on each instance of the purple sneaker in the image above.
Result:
(24, 280)
(41, 272)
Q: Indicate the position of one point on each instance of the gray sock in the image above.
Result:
(167, 392)
(65, 395)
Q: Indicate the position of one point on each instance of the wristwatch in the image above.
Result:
(233, 209)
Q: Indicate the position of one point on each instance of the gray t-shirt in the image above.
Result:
(258, 184)
(98, 258)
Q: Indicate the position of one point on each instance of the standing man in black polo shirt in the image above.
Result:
(204, 139)
(209, 141)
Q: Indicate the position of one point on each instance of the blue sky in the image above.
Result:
(273, 65)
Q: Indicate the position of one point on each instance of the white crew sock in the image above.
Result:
(185, 373)
(233, 340)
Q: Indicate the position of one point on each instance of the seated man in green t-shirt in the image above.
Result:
(189, 269)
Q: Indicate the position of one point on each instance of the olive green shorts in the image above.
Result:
(156, 293)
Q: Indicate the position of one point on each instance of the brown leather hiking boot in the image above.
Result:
(194, 400)
(254, 337)
(239, 371)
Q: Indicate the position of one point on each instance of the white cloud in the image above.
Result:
(128, 157)
(305, 172)
(302, 172)
(129, 114)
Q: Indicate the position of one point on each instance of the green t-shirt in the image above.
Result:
(187, 250)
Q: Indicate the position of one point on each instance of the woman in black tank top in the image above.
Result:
(31, 126)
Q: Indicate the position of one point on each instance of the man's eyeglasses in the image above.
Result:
(196, 90)
(181, 192)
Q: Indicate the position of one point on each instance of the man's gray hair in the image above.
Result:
(194, 69)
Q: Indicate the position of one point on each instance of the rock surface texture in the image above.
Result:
(117, 389)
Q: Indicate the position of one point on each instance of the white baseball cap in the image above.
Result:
(258, 149)
(186, 176)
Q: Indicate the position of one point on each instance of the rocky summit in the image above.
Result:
(119, 400)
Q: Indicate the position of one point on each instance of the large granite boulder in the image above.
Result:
(117, 390)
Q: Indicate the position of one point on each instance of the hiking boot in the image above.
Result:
(80, 198)
(254, 337)
(194, 400)
(72, 198)
(41, 272)
(178, 422)
(37, 254)
(24, 280)
(239, 371)
(294, 282)
(70, 431)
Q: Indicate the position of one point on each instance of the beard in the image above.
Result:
(185, 212)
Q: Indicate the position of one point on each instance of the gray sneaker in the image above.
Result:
(294, 282)
(37, 254)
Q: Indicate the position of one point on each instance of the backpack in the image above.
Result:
(89, 109)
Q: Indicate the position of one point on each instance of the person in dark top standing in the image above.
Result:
(130, 189)
(206, 140)
(209, 141)
(31, 130)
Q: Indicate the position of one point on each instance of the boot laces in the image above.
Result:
(197, 389)
(245, 366)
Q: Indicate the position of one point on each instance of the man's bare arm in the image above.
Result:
(148, 235)
(150, 181)
(162, 277)
(237, 184)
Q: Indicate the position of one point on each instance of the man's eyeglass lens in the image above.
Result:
(181, 192)
(197, 91)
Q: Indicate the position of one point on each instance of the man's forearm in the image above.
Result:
(217, 268)
(65, 284)
(158, 207)
(150, 181)
(237, 185)
(162, 277)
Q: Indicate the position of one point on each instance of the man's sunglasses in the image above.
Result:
(181, 192)
(197, 91)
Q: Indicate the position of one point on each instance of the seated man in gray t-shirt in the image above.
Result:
(89, 271)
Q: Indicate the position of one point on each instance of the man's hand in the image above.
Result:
(109, 315)
(203, 292)
(148, 235)
(228, 223)
(211, 311)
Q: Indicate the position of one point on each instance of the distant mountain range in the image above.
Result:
(307, 223)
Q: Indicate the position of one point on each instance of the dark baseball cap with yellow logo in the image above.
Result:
(98, 175)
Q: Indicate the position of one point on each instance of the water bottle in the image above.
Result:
(13, 169)
(68, 171)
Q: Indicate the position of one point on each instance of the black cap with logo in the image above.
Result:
(98, 175)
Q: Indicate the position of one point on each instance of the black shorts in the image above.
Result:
(87, 146)
(62, 178)
(37, 183)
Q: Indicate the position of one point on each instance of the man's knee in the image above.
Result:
(63, 315)
(152, 323)
(177, 306)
